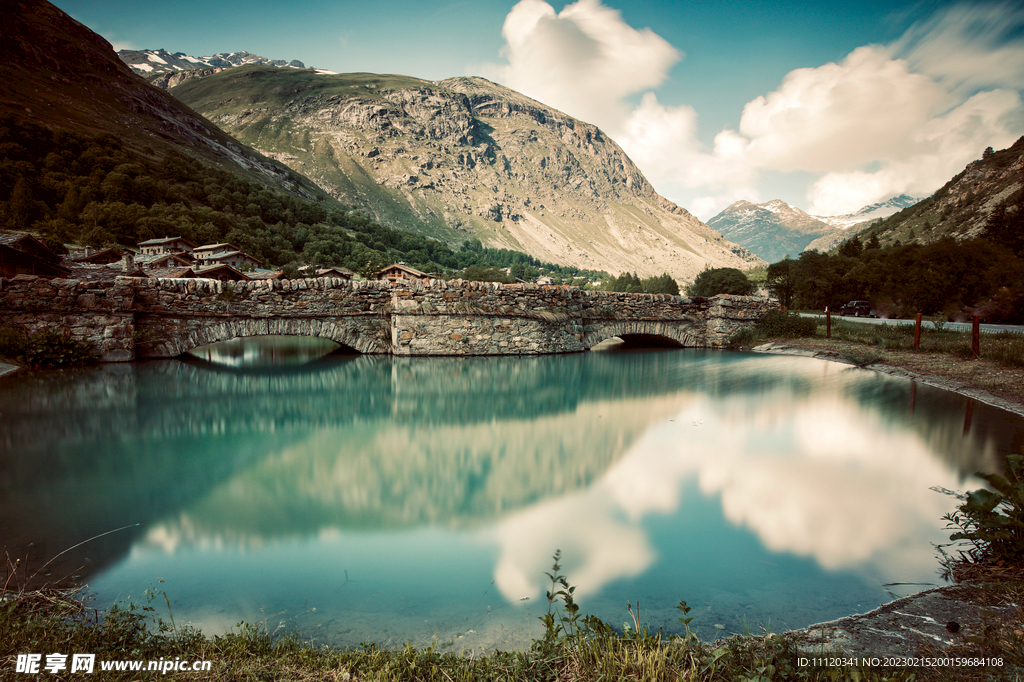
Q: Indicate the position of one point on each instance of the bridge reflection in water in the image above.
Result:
(401, 497)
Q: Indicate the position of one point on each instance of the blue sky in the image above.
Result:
(828, 106)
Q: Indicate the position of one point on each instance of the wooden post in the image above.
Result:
(828, 323)
(917, 332)
(975, 336)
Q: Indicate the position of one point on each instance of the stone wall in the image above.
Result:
(98, 313)
(132, 318)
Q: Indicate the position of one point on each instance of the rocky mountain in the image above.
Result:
(772, 229)
(154, 62)
(57, 73)
(962, 207)
(852, 223)
(460, 159)
(870, 213)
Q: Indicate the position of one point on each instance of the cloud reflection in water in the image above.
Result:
(821, 475)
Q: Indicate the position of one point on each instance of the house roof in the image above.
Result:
(166, 240)
(210, 247)
(166, 261)
(28, 244)
(402, 266)
(229, 254)
(272, 274)
(344, 272)
(39, 266)
(172, 273)
(212, 272)
(101, 256)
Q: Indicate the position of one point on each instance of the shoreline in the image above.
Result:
(979, 394)
(939, 617)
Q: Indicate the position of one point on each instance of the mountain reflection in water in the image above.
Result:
(403, 498)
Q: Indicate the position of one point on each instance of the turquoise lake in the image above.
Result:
(359, 498)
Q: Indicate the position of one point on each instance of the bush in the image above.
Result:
(779, 323)
(721, 281)
(991, 521)
(48, 348)
(12, 343)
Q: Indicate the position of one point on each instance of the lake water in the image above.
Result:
(369, 498)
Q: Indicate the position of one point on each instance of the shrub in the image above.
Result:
(991, 521)
(12, 343)
(48, 348)
(779, 323)
(721, 281)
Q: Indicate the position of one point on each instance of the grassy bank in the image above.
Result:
(574, 647)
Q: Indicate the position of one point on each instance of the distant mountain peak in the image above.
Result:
(882, 209)
(154, 62)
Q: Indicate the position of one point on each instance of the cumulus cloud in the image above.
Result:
(584, 60)
(885, 120)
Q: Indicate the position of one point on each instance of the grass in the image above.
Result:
(574, 647)
(1006, 348)
(47, 621)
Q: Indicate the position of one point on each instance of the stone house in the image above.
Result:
(158, 247)
(223, 254)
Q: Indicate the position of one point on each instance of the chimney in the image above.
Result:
(129, 261)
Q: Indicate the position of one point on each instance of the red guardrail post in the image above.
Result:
(828, 323)
(975, 336)
(917, 332)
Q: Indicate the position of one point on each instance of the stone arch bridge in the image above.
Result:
(131, 318)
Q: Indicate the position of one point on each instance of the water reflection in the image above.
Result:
(414, 498)
(266, 351)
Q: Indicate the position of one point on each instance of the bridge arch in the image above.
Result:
(685, 334)
(366, 334)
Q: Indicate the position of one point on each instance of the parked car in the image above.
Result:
(857, 309)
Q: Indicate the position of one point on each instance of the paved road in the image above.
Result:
(955, 326)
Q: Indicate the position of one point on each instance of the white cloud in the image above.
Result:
(968, 47)
(939, 148)
(840, 116)
(584, 60)
(883, 121)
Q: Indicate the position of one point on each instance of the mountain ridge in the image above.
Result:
(148, 63)
(774, 229)
(463, 158)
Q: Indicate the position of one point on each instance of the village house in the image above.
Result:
(170, 260)
(223, 254)
(221, 271)
(23, 254)
(158, 247)
(335, 271)
(101, 257)
(399, 272)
